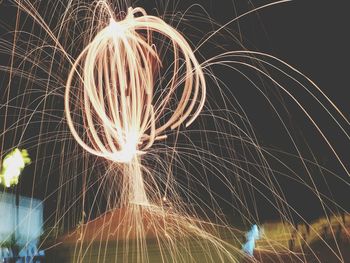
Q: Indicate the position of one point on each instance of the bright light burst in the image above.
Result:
(113, 80)
(115, 75)
(118, 91)
(12, 166)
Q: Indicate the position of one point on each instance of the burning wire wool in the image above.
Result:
(136, 81)
(115, 75)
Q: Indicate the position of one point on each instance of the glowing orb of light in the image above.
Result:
(12, 166)
(114, 104)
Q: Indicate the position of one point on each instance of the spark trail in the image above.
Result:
(113, 81)
(132, 145)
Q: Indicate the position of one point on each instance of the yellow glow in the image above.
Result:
(12, 167)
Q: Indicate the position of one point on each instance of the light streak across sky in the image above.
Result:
(129, 129)
(115, 75)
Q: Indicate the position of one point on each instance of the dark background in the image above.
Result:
(309, 35)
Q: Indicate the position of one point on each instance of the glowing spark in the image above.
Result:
(136, 79)
(115, 76)
(12, 166)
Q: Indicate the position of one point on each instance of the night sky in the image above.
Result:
(309, 35)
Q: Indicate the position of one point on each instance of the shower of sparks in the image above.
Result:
(115, 75)
(114, 95)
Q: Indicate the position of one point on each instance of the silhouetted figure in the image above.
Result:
(338, 232)
(304, 243)
(295, 226)
(343, 216)
(307, 229)
(325, 232)
(291, 242)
